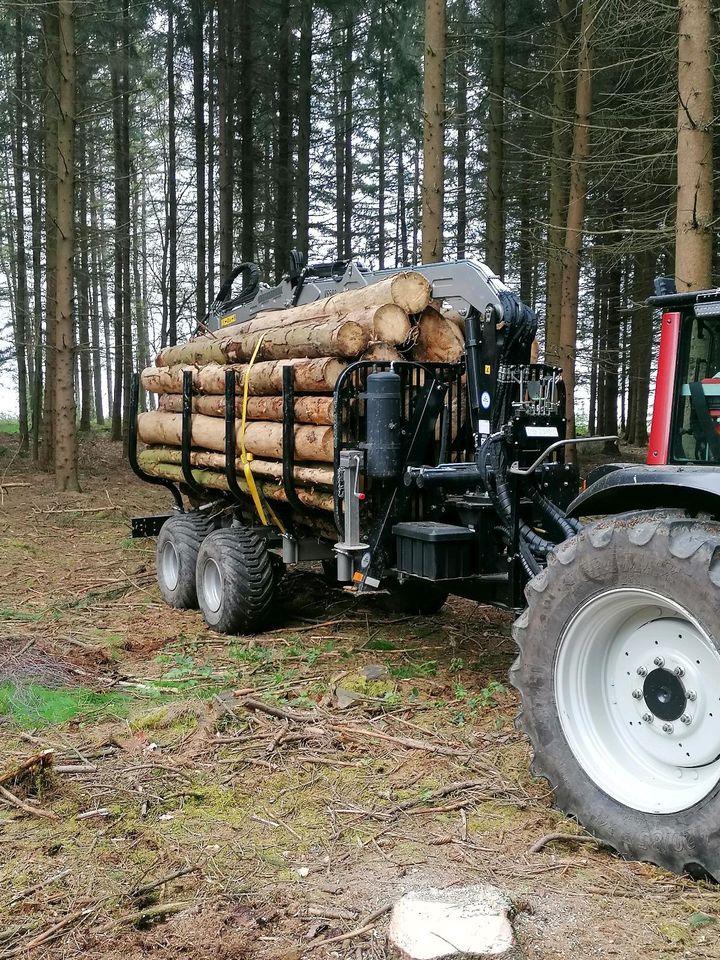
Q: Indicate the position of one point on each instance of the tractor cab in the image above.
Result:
(686, 414)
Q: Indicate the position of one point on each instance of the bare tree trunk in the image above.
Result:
(592, 414)
(50, 36)
(283, 173)
(640, 349)
(304, 127)
(104, 300)
(609, 396)
(141, 320)
(558, 181)
(576, 212)
(461, 109)
(433, 185)
(416, 199)
(198, 55)
(127, 295)
(83, 290)
(348, 76)
(693, 238)
(21, 295)
(117, 111)
(95, 260)
(36, 211)
(402, 206)
(172, 177)
(381, 138)
(247, 144)
(226, 111)
(495, 217)
(66, 476)
(339, 164)
(211, 157)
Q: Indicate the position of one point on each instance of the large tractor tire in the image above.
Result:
(619, 673)
(235, 581)
(176, 554)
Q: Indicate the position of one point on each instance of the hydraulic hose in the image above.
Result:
(564, 525)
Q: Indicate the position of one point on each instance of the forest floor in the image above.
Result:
(178, 818)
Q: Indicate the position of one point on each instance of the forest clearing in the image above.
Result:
(277, 832)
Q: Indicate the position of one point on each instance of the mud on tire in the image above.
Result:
(235, 581)
(619, 674)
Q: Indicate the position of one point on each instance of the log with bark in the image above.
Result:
(439, 340)
(317, 410)
(381, 351)
(262, 438)
(213, 480)
(317, 375)
(307, 474)
(327, 338)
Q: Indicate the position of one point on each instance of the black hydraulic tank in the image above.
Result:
(382, 414)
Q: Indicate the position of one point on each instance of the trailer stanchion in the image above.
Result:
(230, 441)
(132, 449)
(186, 436)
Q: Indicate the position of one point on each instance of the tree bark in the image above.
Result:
(317, 410)
(461, 109)
(576, 212)
(211, 156)
(127, 345)
(283, 172)
(83, 290)
(247, 145)
(439, 340)
(348, 78)
(304, 71)
(264, 379)
(559, 157)
(433, 186)
(198, 57)
(381, 107)
(50, 116)
(226, 132)
(171, 176)
(495, 217)
(21, 294)
(35, 143)
(117, 112)
(306, 474)
(693, 237)
(66, 475)
(641, 337)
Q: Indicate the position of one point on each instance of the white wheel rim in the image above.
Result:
(628, 661)
(212, 584)
(169, 565)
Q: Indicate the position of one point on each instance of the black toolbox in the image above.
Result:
(434, 551)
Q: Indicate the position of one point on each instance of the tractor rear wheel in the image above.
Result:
(176, 555)
(619, 674)
(235, 581)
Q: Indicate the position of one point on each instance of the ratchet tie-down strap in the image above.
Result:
(264, 510)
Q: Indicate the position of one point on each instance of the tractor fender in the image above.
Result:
(630, 487)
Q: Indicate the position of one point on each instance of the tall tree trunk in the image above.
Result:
(461, 111)
(576, 212)
(50, 116)
(198, 55)
(381, 138)
(402, 207)
(95, 261)
(226, 132)
(283, 173)
(21, 294)
(557, 202)
(416, 199)
(495, 217)
(127, 295)
(66, 475)
(592, 410)
(104, 300)
(610, 393)
(640, 349)
(247, 133)
(140, 310)
(211, 157)
(693, 238)
(83, 289)
(339, 144)
(119, 175)
(348, 76)
(433, 184)
(172, 177)
(304, 70)
(36, 213)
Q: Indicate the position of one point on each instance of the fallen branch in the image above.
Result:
(565, 837)
(39, 886)
(148, 887)
(456, 787)
(409, 742)
(26, 807)
(51, 933)
(364, 926)
(297, 716)
(148, 913)
(38, 760)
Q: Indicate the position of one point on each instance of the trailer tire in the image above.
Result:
(619, 676)
(176, 556)
(235, 581)
(415, 597)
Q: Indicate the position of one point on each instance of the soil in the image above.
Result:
(188, 822)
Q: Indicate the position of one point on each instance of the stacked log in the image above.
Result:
(389, 320)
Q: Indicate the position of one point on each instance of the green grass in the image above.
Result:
(9, 424)
(37, 706)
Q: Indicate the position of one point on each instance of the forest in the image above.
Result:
(151, 146)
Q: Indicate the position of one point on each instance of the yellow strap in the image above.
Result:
(246, 457)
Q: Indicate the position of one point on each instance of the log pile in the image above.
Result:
(390, 320)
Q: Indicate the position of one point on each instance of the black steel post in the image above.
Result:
(132, 448)
(230, 444)
(186, 436)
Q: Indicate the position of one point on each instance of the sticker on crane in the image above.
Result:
(227, 320)
(488, 369)
(485, 400)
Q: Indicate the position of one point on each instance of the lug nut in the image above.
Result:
(648, 717)
(691, 695)
(667, 728)
(641, 671)
(659, 661)
(685, 718)
(679, 672)
(637, 695)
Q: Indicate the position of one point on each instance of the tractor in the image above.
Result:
(452, 478)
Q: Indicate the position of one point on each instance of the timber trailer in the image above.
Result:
(451, 478)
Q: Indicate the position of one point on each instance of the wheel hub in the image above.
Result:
(637, 685)
(664, 694)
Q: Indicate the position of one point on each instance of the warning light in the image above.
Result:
(357, 576)
(361, 496)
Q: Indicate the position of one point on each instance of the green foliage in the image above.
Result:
(37, 706)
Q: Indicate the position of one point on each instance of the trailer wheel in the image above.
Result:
(235, 581)
(415, 597)
(176, 555)
(619, 674)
